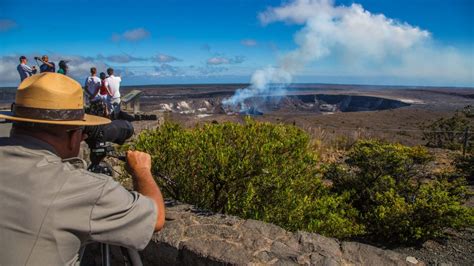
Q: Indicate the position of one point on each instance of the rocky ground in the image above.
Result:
(456, 249)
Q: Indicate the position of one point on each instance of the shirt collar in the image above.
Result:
(31, 143)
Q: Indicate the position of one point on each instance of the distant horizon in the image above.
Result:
(288, 86)
(302, 83)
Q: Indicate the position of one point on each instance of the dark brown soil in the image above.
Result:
(456, 249)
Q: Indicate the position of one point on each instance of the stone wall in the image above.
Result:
(193, 237)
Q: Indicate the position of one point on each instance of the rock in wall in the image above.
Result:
(194, 237)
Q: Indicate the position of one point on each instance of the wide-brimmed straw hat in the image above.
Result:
(51, 98)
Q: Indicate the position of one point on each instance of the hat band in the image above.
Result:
(48, 114)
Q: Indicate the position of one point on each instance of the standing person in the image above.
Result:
(92, 86)
(46, 66)
(24, 70)
(103, 90)
(63, 67)
(113, 85)
(104, 93)
(50, 205)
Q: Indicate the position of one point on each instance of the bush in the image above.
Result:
(254, 170)
(465, 166)
(396, 203)
(449, 132)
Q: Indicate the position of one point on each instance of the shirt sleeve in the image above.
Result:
(26, 68)
(110, 90)
(122, 218)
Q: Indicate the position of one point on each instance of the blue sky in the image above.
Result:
(171, 41)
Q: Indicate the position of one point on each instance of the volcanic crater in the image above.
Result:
(312, 103)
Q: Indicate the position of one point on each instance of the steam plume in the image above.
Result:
(352, 31)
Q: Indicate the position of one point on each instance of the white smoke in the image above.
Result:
(352, 31)
(260, 81)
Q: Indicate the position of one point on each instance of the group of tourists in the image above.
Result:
(99, 90)
(46, 66)
(104, 89)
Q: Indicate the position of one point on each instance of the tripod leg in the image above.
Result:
(81, 252)
(105, 250)
(132, 256)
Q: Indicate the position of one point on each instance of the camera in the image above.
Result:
(37, 58)
(100, 139)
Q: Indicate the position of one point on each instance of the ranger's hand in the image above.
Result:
(139, 166)
(138, 163)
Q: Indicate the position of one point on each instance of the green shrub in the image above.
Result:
(449, 133)
(396, 202)
(465, 166)
(268, 172)
(254, 170)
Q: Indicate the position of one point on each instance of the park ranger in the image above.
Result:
(50, 208)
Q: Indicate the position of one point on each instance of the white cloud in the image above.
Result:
(7, 24)
(220, 60)
(166, 70)
(79, 66)
(249, 42)
(163, 58)
(8, 73)
(120, 58)
(351, 30)
(217, 61)
(211, 70)
(361, 41)
(366, 42)
(132, 35)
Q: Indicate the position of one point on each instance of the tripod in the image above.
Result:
(130, 256)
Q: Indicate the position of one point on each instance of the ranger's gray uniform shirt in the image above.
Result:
(49, 208)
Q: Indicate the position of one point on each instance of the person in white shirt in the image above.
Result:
(24, 70)
(92, 86)
(113, 86)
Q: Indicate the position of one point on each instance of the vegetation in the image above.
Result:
(269, 172)
(465, 166)
(254, 170)
(395, 199)
(450, 133)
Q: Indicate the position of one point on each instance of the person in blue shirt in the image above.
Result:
(46, 66)
(24, 70)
